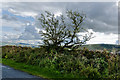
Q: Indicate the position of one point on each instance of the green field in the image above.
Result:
(109, 47)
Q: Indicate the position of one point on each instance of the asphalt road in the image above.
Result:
(9, 73)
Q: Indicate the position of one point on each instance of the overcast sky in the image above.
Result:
(20, 24)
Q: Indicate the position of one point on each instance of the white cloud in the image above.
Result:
(117, 2)
(11, 10)
(33, 14)
(103, 38)
(22, 13)
(58, 14)
(6, 36)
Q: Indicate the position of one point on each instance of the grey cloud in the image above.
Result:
(100, 26)
(100, 12)
(106, 12)
(30, 33)
(8, 17)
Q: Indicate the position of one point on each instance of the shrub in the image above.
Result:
(78, 63)
(90, 73)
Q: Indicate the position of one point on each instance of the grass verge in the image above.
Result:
(34, 70)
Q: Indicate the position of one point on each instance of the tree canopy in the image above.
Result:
(58, 32)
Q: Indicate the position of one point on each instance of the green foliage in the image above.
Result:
(90, 72)
(81, 63)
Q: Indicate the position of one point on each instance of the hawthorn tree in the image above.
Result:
(62, 31)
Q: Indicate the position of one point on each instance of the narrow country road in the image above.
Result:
(9, 73)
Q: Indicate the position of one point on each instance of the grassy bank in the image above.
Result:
(46, 73)
(66, 64)
(34, 70)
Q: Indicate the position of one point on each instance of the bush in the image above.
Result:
(80, 63)
(90, 73)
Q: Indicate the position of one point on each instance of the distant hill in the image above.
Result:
(102, 46)
(17, 44)
(109, 47)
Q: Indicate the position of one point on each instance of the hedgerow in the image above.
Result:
(81, 63)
